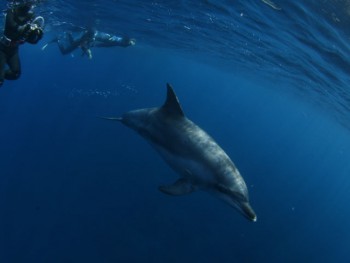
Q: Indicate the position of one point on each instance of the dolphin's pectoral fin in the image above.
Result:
(180, 187)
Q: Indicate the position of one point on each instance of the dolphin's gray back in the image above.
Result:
(180, 137)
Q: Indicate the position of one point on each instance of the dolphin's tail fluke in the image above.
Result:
(111, 118)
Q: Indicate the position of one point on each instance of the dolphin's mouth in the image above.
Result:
(248, 211)
(238, 201)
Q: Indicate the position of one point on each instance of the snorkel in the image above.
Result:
(39, 21)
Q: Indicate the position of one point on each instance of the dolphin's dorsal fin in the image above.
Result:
(172, 105)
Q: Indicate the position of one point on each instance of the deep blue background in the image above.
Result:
(75, 188)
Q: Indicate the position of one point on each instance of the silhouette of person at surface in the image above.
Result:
(87, 39)
(20, 27)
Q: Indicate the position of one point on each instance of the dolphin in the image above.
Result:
(200, 162)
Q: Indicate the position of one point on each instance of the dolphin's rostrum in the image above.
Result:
(191, 152)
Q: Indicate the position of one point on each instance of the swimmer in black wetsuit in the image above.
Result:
(87, 39)
(19, 28)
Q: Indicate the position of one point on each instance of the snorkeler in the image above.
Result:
(87, 39)
(20, 26)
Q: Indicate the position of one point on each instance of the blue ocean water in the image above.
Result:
(268, 80)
